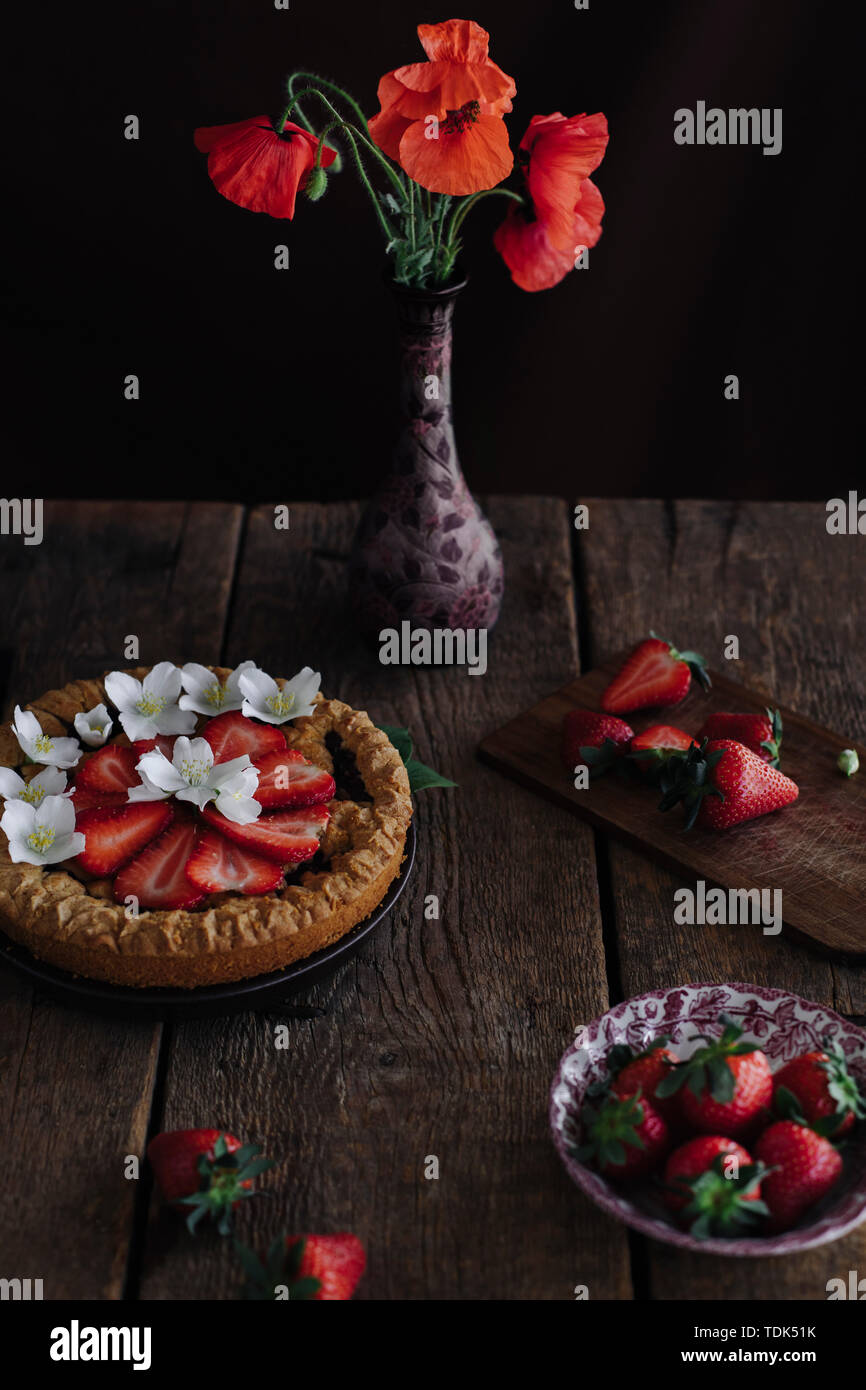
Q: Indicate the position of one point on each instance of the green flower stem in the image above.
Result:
(464, 208)
(331, 87)
(347, 126)
(374, 197)
(412, 216)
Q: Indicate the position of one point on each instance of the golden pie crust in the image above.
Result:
(77, 926)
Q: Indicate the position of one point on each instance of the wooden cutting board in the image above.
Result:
(813, 851)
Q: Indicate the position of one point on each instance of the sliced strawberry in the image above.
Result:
(219, 866)
(84, 800)
(163, 743)
(113, 835)
(111, 769)
(655, 673)
(157, 876)
(288, 837)
(286, 778)
(231, 735)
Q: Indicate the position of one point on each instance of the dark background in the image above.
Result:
(259, 384)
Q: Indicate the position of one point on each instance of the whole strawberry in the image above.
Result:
(641, 1073)
(762, 733)
(655, 673)
(593, 740)
(714, 1185)
(726, 1087)
(722, 783)
(206, 1171)
(805, 1166)
(623, 1137)
(819, 1087)
(305, 1267)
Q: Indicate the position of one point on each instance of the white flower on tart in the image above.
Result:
(206, 694)
(41, 834)
(39, 747)
(94, 727)
(49, 782)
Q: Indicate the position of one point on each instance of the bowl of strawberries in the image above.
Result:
(723, 1118)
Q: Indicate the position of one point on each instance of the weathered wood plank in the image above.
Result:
(769, 573)
(443, 1035)
(75, 1089)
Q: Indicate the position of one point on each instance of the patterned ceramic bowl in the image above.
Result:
(783, 1026)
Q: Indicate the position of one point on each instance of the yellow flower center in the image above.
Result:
(42, 838)
(195, 770)
(43, 744)
(150, 705)
(280, 703)
(215, 695)
(33, 794)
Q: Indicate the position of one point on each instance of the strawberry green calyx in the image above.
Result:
(279, 1270)
(722, 1204)
(695, 662)
(600, 760)
(686, 779)
(225, 1180)
(707, 1069)
(610, 1129)
(773, 744)
(848, 761)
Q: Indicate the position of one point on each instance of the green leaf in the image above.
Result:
(401, 739)
(421, 777)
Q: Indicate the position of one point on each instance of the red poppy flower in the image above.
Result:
(557, 154)
(253, 166)
(524, 242)
(466, 93)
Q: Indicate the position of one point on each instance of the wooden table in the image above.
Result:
(442, 1036)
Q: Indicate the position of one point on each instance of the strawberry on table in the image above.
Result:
(113, 835)
(157, 876)
(714, 1186)
(286, 778)
(725, 1087)
(111, 769)
(305, 1267)
(642, 1073)
(722, 783)
(593, 740)
(233, 734)
(656, 745)
(654, 674)
(762, 733)
(205, 1172)
(823, 1092)
(287, 837)
(624, 1137)
(806, 1168)
(216, 865)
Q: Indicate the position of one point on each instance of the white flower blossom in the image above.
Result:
(40, 747)
(263, 698)
(49, 782)
(149, 707)
(206, 694)
(43, 834)
(94, 727)
(192, 775)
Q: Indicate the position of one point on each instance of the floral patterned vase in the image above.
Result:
(424, 551)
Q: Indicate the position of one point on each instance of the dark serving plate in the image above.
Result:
(262, 992)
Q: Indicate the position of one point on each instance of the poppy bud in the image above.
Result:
(317, 184)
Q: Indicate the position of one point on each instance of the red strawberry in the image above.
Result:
(327, 1268)
(654, 674)
(288, 837)
(725, 1087)
(722, 784)
(113, 835)
(593, 740)
(762, 733)
(110, 769)
(231, 735)
(806, 1167)
(218, 866)
(205, 1171)
(286, 778)
(823, 1092)
(657, 745)
(624, 1137)
(163, 743)
(641, 1073)
(713, 1195)
(84, 800)
(157, 876)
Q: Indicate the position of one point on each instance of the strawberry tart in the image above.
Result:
(189, 826)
